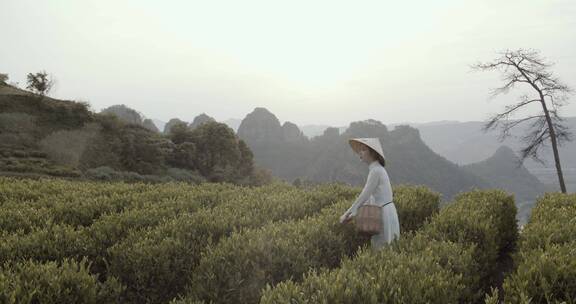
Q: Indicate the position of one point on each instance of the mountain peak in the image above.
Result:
(260, 126)
(291, 132)
(200, 120)
(171, 123)
(262, 111)
(504, 153)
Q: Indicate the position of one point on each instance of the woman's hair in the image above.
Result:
(376, 156)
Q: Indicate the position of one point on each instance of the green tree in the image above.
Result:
(142, 150)
(217, 151)
(180, 133)
(40, 83)
(183, 156)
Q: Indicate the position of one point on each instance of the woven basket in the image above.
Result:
(369, 219)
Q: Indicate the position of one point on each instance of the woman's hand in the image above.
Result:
(346, 217)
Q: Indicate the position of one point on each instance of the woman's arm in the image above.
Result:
(371, 184)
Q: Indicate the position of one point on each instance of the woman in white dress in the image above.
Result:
(377, 191)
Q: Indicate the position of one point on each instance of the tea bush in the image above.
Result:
(546, 260)
(238, 268)
(51, 282)
(155, 262)
(449, 261)
(484, 218)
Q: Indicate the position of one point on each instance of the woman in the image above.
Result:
(377, 189)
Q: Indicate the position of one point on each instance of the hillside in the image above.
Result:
(42, 136)
(329, 158)
(465, 143)
(25, 120)
(501, 170)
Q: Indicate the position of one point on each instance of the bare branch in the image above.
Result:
(506, 114)
(509, 125)
(535, 140)
(526, 66)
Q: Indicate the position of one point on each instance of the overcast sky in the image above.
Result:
(309, 62)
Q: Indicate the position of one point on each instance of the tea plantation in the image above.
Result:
(94, 242)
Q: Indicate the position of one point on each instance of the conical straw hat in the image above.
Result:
(372, 143)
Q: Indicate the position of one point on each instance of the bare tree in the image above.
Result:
(529, 69)
(3, 78)
(39, 83)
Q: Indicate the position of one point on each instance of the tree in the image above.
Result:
(39, 83)
(527, 68)
(217, 151)
(180, 133)
(142, 150)
(3, 78)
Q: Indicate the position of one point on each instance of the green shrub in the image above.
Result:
(449, 261)
(154, 263)
(65, 147)
(553, 221)
(66, 282)
(51, 243)
(415, 205)
(236, 269)
(390, 275)
(14, 217)
(53, 217)
(544, 276)
(485, 218)
(492, 297)
(505, 217)
(546, 263)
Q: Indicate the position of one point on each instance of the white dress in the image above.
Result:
(378, 191)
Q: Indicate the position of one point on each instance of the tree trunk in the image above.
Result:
(554, 144)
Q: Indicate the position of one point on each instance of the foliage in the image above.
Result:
(236, 269)
(66, 147)
(17, 130)
(545, 263)
(39, 83)
(484, 219)
(66, 282)
(448, 261)
(153, 263)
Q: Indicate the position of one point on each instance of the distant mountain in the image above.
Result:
(329, 158)
(291, 133)
(125, 114)
(149, 124)
(199, 120)
(171, 123)
(130, 116)
(501, 170)
(466, 143)
(426, 124)
(281, 149)
(233, 123)
(461, 142)
(317, 130)
(159, 124)
(260, 126)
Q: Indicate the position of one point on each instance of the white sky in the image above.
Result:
(307, 61)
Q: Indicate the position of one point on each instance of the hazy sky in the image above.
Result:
(322, 62)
